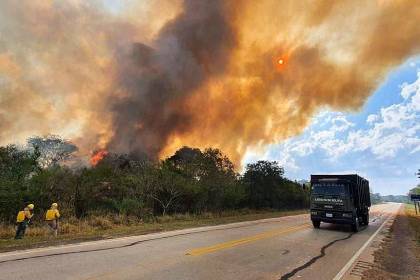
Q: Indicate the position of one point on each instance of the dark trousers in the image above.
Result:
(53, 225)
(21, 228)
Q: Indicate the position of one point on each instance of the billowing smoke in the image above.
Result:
(227, 74)
(157, 80)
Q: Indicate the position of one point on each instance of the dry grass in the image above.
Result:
(414, 220)
(399, 254)
(107, 226)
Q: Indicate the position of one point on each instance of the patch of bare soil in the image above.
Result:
(399, 255)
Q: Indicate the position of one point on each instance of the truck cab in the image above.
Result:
(340, 199)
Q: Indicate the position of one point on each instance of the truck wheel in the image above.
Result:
(366, 222)
(355, 225)
(316, 224)
(362, 220)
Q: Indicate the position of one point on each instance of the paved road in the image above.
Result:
(265, 249)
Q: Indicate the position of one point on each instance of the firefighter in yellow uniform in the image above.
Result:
(23, 219)
(52, 217)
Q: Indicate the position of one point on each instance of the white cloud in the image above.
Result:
(408, 89)
(283, 156)
(340, 123)
(393, 132)
(372, 118)
(395, 128)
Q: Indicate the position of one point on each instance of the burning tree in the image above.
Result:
(97, 157)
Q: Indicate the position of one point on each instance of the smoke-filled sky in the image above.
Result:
(381, 141)
(147, 77)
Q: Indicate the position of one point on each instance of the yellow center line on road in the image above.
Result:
(246, 240)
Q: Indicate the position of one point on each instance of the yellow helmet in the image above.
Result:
(54, 205)
(31, 206)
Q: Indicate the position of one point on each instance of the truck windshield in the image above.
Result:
(329, 189)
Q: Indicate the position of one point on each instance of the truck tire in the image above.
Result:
(355, 226)
(366, 219)
(316, 224)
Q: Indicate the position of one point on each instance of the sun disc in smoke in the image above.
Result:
(280, 62)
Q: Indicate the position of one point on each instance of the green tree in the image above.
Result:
(189, 181)
(262, 180)
(17, 167)
(376, 198)
(212, 182)
(267, 188)
(415, 190)
(167, 188)
(55, 184)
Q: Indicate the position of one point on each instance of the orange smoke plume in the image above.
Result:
(98, 157)
(232, 75)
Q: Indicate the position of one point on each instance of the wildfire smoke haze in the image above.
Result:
(150, 78)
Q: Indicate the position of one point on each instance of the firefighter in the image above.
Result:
(51, 217)
(23, 219)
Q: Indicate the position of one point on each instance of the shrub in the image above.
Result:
(129, 207)
(100, 222)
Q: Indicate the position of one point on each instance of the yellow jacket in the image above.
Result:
(52, 214)
(23, 215)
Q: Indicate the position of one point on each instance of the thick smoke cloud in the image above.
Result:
(333, 55)
(228, 74)
(187, 52)
(57, 66)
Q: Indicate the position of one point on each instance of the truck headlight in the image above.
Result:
(347, 215)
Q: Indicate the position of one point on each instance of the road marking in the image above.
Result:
(246, 240)
(348, 265)
(150, 236)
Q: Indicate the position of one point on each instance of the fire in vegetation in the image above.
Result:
(153, 76)
(97, 157)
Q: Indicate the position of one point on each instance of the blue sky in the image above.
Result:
(381, 141)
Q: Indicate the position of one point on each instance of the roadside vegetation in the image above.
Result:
(110, 226)
(132, 194)
(399, 254)
(413, 217)
(414, 222)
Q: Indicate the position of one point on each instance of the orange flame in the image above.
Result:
(97, 157)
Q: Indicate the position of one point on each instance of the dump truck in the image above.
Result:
(340, 199)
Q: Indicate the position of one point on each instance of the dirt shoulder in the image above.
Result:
(85, 231)
(399, 253)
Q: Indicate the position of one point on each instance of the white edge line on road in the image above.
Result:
(358, 253)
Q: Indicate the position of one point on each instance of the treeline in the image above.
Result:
(377, 198)
(190, 181)
(415, 190)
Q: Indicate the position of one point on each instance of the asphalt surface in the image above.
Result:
(280, 248)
